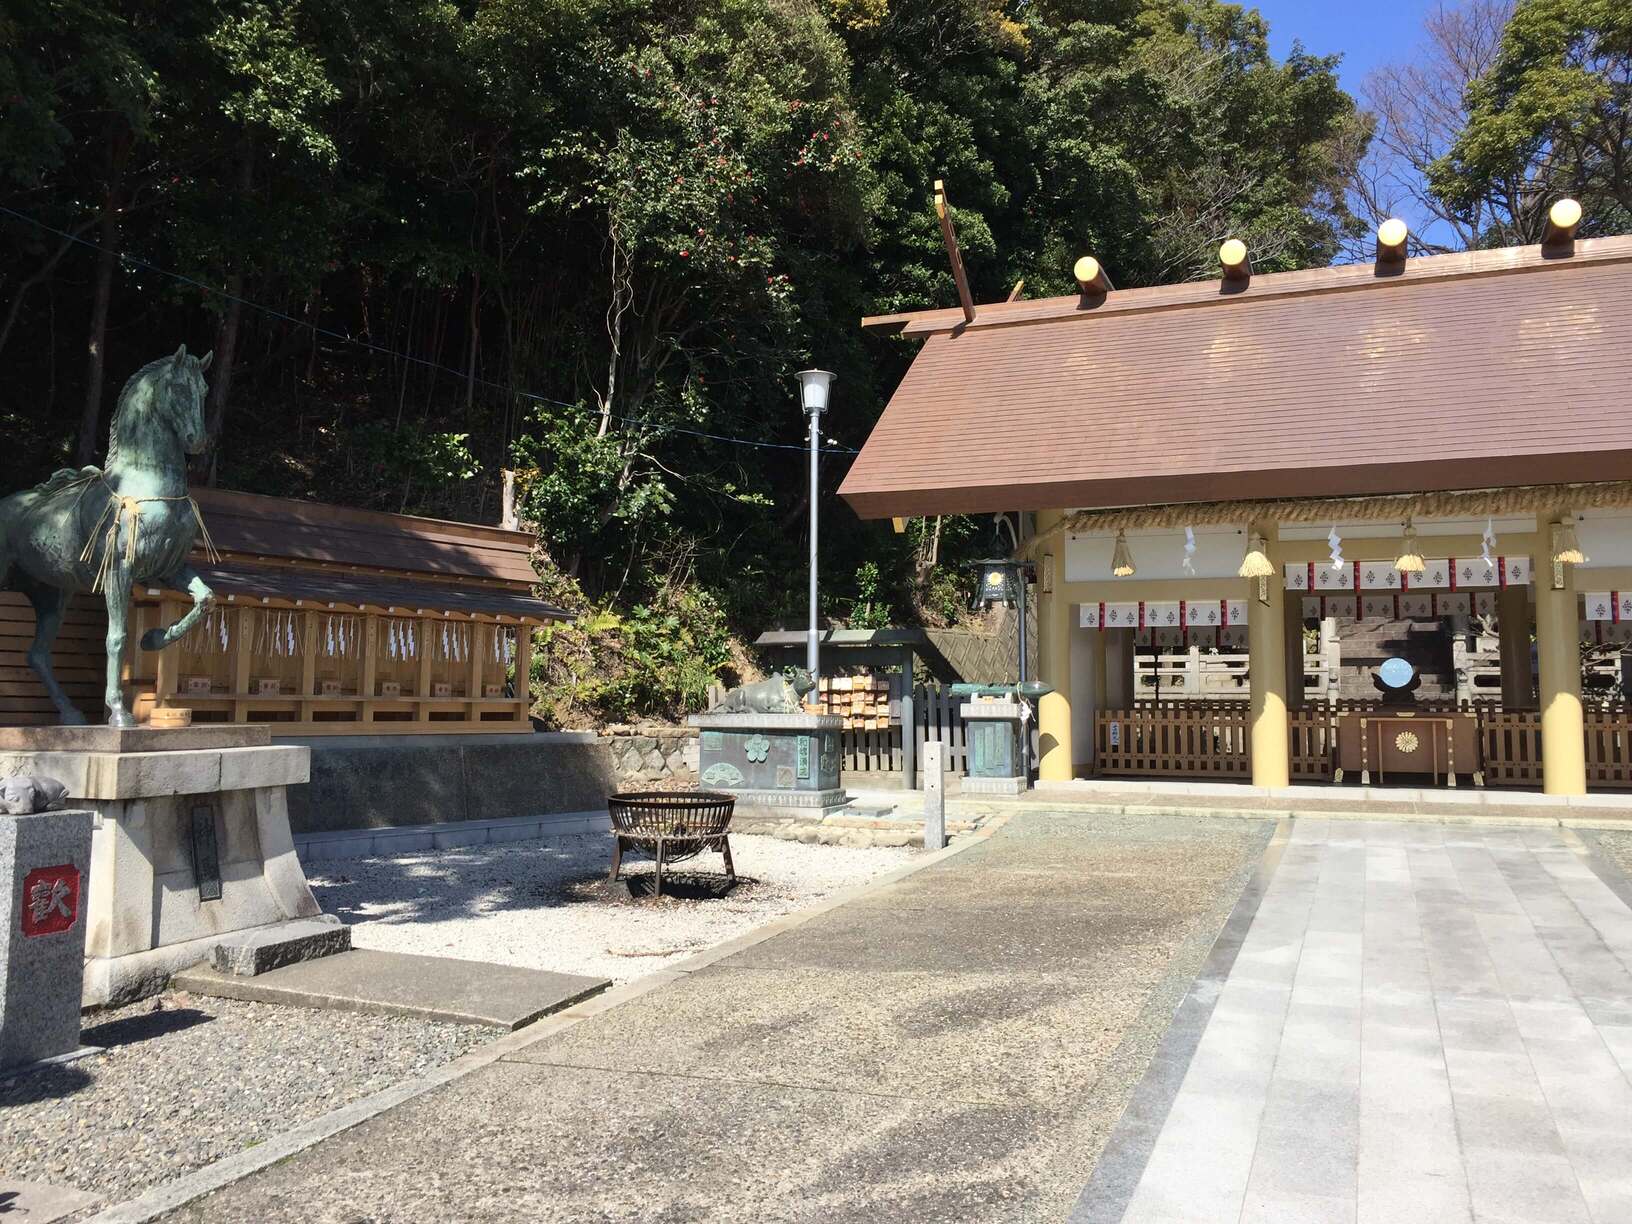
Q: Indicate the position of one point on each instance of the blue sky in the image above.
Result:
(1368, 34)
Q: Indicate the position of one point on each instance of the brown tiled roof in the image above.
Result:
(1475, 370)
(241, 582)
(286, 529)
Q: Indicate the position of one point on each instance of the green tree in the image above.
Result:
(1554, 112)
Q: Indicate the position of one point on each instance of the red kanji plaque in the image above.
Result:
(50, 900)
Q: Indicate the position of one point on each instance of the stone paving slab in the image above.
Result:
(1422, 1023)
(41, 1203)
(395, 984)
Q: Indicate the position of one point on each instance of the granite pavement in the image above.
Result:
(955, 1045)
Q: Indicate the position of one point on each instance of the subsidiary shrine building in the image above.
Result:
(1369, 523)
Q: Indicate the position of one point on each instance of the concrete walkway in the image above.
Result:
(954, 1046)
(1424, 1022)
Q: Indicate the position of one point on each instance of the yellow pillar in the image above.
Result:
(1513, 624)
(1558, 659)
(1266, 663)
(1054, 640)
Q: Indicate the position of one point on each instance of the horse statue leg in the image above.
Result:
(49, 606)
(203, 599)
(116, 594)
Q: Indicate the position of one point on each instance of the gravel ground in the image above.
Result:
(544, 905)
(199, 1079)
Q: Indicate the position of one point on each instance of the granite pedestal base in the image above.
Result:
(994, 729)
(191, 842)
(772, 761)
(44, 862)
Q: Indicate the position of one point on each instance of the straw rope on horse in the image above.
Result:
(127, 511)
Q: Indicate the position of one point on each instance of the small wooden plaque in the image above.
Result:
(328, 688)
(390, 688)
(492, 690)
(441, 688)
(266, 686)
(196, 686)
(170, 717)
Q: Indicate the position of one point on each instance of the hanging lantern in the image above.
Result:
(1255, 562)
(1566, 544)
(997, 583)
(1121, 557)
(1410, 559)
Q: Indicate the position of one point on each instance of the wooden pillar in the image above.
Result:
(1119, 651)
(524, 669)
(243, 646)
(1294, 654)
(368, 671)
(1054, 638)
(1266, 662)
(473, 683)
(166, 680)
(1558, 658)
(1513, 624)
(422, 680)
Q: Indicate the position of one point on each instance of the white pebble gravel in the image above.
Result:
(198, 1080)
(542, 905)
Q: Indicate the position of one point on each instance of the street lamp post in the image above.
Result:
(813, 386)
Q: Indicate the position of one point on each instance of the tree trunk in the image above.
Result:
(226, 343)
(90, 416)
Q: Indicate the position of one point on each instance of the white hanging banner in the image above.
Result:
(1297, 575)
(1378, 607)
(1333, 578)
(1484, 603)
(1379, 576)
(1201, 613)
(1120, 616)
(1311, 607)
(1416, 607)
(1235, 612)
(1455, 603)
(1340, 606)
(1435, 576)
(1599, 606)
(1162, 613)
(1088, 615)
(1515, 571)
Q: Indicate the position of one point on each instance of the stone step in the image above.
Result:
(397, 984)
(260, 949)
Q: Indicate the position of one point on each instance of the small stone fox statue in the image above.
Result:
(780, 694)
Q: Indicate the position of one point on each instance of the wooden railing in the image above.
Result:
(1313, 745)
(1173, 742)
(1510, 745)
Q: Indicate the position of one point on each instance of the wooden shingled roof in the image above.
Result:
(282, 548)
(1476, 370)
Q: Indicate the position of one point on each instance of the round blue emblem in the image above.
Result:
(1396, 673)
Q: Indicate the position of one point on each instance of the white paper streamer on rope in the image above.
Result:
(1336, 542)
(1488, 543)
(1190, 551)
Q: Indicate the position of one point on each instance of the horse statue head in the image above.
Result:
(160, 409)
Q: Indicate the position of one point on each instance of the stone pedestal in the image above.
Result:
(771, 760)
(994, 729)
(45, 863)
(191, 842)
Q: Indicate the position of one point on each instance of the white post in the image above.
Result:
(934, 794)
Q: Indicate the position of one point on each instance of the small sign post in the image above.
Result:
(934, 794)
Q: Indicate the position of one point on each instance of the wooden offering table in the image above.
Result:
(1404, 741)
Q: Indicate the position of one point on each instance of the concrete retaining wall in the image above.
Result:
(375, 782)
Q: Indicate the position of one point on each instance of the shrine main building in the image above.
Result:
(1419, 458)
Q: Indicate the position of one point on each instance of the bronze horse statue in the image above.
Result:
(104, 529)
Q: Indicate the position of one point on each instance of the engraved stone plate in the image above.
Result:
(713, 740)
(784, 776)
(803, 755)
(206, 856)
